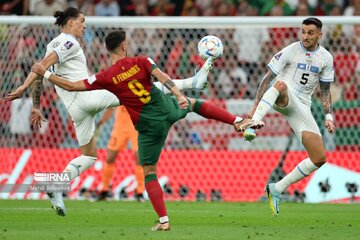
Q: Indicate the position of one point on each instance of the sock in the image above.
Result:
(139, 175)
(181, 84)
(79, 165)
(302, 170)
(266, 103)
(107, 174)
(211, 111)
(155, 194)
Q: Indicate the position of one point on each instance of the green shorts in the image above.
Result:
(152, 139)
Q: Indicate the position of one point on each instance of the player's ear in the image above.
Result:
(320, 34)
(123, 46)
(71, 22)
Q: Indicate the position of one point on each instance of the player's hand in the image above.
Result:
(183, 102)
(330, 126)
(38, 69)
(15, 94)
(37, 118)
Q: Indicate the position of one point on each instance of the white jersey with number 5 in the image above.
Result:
(301, 69)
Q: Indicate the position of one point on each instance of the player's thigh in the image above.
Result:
(151, 143)
(299, 116)
(98, 100)
(176, 113)
(84, 124)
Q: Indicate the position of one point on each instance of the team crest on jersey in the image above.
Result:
(68, 44)
(277, 56)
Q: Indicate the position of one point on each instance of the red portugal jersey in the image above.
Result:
(130, 80)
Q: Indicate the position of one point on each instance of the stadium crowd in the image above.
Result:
(184, 7)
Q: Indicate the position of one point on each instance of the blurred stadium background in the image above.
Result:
(202, 159)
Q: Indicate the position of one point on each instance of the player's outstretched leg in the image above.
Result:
(200, 78)
(248, 123)
(57, 202)
(273, 197)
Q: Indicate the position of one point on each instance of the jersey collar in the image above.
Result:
(318, 47)
(69, 35)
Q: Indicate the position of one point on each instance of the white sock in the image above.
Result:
(79, 165)
(164, 219)
(302, 170)
(266, 103)
(238, 119)
(181, 84)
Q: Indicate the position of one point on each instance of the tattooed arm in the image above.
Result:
(36, 116)
(48, 61)
(325, 98)
(167, 82)
(263, 87)
(37, 91)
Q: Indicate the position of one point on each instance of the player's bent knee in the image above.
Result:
(149, 169)
(280, 85)
(320, 161)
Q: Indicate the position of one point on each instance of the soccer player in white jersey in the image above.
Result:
(297, 69)
(66, 58)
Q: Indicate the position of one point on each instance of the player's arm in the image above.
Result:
(33, 79)
(325, 98)
(168, 83)
(59, 81)
(263, 87)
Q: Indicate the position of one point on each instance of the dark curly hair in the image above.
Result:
(63, 17)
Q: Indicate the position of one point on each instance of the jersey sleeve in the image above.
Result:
(96, 81)
(327, 74)
(279, 61)
(149, 64)
(66, 49)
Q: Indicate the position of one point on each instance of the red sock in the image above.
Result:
(156, 197)
(211, 111)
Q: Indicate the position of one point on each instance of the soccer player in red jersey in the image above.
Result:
(151, 111)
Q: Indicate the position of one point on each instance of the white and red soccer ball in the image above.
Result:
(210, 46)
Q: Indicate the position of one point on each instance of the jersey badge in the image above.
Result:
(68, 44)
(277, 56)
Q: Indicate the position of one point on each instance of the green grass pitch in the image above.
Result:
(190, 220)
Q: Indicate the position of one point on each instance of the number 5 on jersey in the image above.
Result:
(304, 78)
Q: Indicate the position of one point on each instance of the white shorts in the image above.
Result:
(298, 115)
(83, 109)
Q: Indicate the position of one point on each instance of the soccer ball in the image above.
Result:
(210, 46)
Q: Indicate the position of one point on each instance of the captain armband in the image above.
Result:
(169, 84)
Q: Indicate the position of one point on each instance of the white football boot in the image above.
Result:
(57, 202)
(200, 78)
